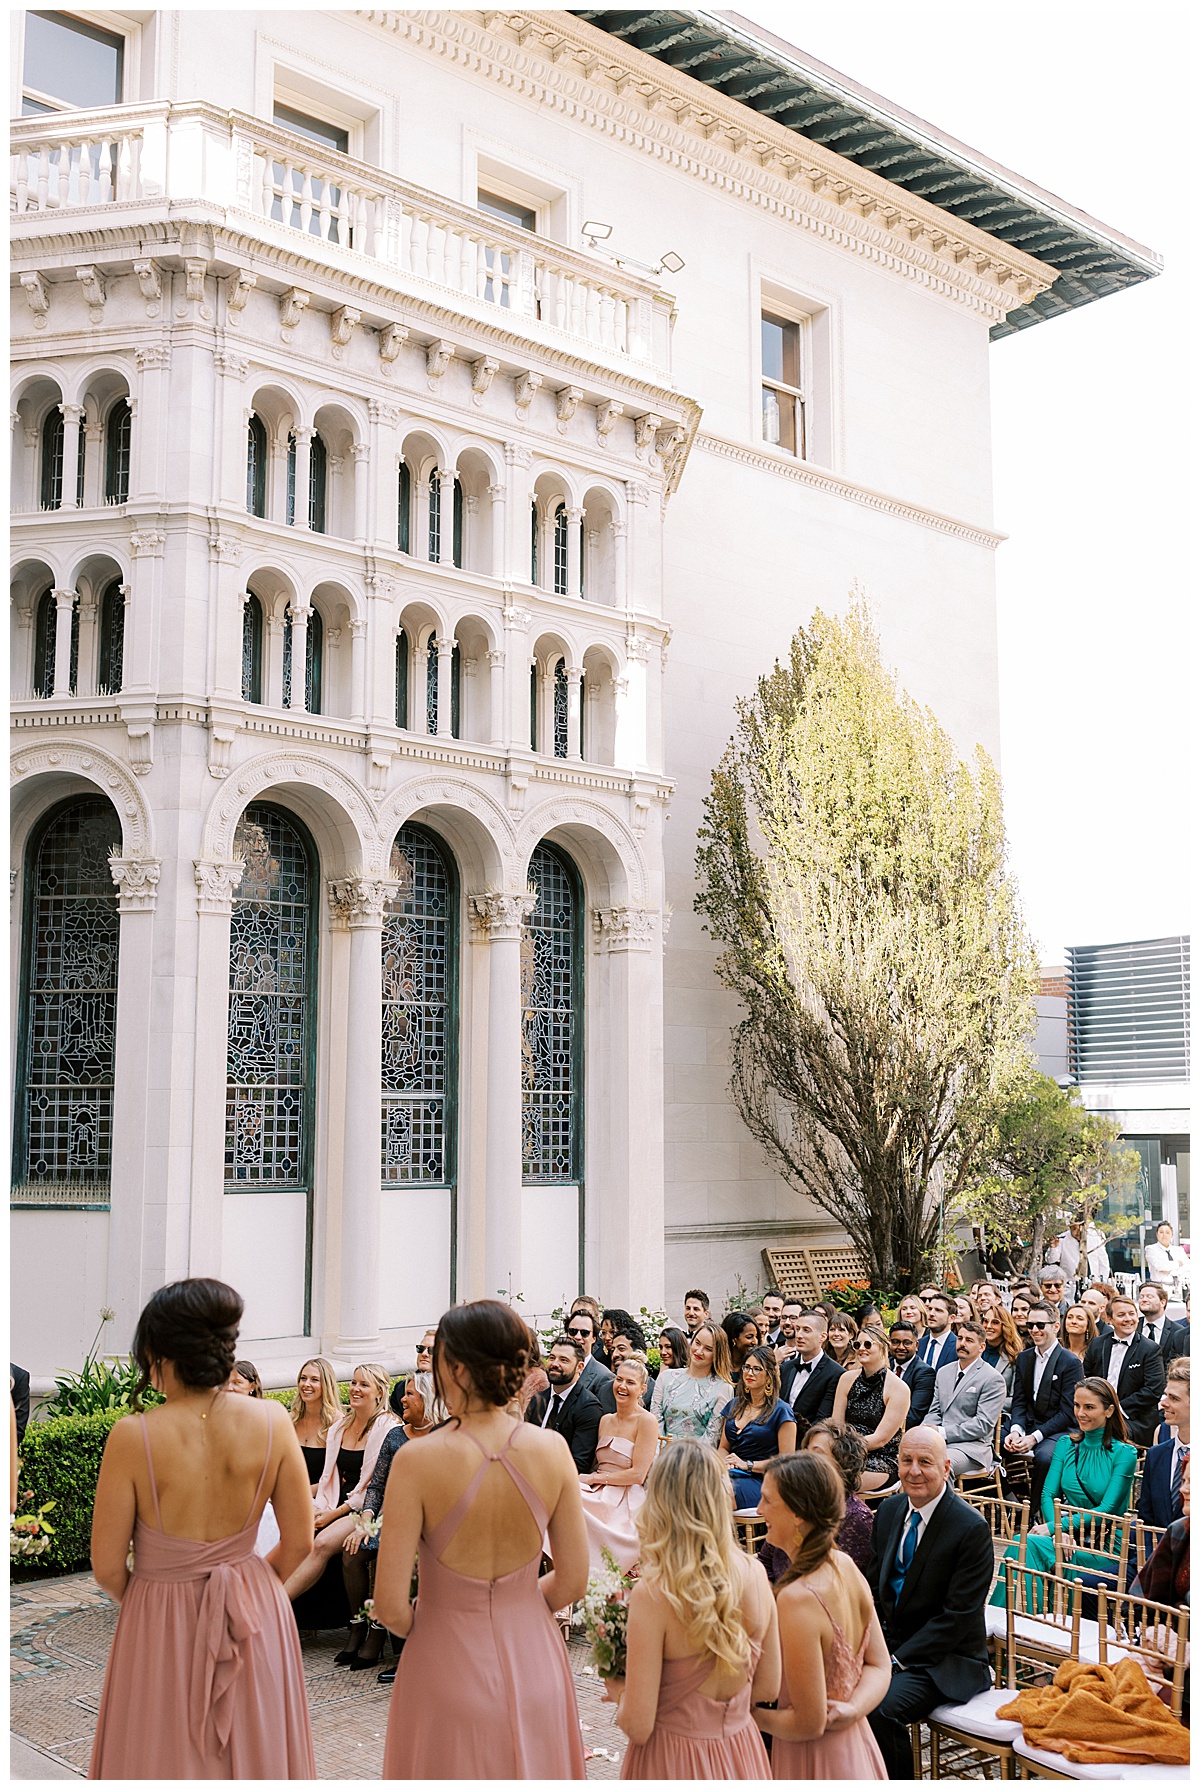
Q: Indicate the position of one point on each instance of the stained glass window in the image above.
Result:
(560, 551)
(318, 481)
(289, 496)
(560, 710)
(81, 464)
(435, 517)
(69, 1013)
(431, 685)
(551, 990)
(52, 459)
(45, 636)
(533, 542)
(402, 679)
(112, 640)
(403, 508)
(256, 467)
(457, 547)
(252, 645)
(314, 641)
(272, 965)
(118, 438)
(419, 1066)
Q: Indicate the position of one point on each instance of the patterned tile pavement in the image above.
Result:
(61, 1630)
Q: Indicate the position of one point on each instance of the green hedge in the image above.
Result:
(60, 1460)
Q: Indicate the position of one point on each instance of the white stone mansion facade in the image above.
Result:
(358, 495)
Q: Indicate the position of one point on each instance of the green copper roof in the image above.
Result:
(744, 62)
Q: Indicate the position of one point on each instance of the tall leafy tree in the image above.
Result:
(853, 869)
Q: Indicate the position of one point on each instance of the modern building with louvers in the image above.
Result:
(426, 426)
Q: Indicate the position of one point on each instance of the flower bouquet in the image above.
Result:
(30, 1534)
(606, 1615)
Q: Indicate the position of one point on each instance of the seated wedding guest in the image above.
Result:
(1051, 1285)
(839, 1340)
(688, 1402)
(1096, 1299)
(1018, 1311)
(585, 1302)
(246, 1379)
(1043, 1406)
(1162, 1469)
(968, 1403)
(702, 1638)
(928, 1292)
(184, 1485)
(696, 1309)
(484, 1686)
(772, 1305)
(809, 1377)
(316, 1407)
(986, 1295)
(613, 1320)
(846, 1449)
(917, 1375)
(873, 1400)
(624, 1349)
(758, 1425)
(785, 1348)
(672, 1349)
(1092, 1469)
(1156, 1326)
(1078, 1330)
(937, 1345)
(351, 1450)
(835, 1666)
(535, 1380)
(1166, 1576)
(1180, 1368)
(930, 1574)
(965, 1308)
(742, 1332)
(1133, 1366)
(360, 1550)
(567, 1406)
(911, 1310)
(613, 1490)
(584, 1326)
(1003, 1345)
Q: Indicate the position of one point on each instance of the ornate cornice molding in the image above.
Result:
(818, 480)
(553, 58)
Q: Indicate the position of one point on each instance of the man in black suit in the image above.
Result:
(595, 1376)
(1160, 1500)
(20, 1397)
(1044, 1381)
(917, 1375)
(772, 1304)
(566, 1405)
(1133, 1367)
(1156, 1326)
(930, 1573)
(808, 1379)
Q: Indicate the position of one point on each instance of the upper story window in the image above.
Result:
(783, 401)
(316, 129)
(508, 211)
(69, 64)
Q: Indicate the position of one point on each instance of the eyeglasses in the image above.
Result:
(424, 1348)
(863, 1348)
(584, 1330)
(1039, 1324)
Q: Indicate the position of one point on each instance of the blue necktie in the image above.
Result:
(1181, 1456)
(904, 1555)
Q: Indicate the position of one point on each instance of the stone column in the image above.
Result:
(137, 880)
(216, 885)
(71, 414)
(303, 473)
(381, 472)
(498, 498)
(574, 684)
(361, 902)
(272, 678)
(445, 671)
(620, 532)
(627, 1230)
(296, 696)
(496, 727)
(418, 687)
(545, 710)
(93, 465)
(574, 556)
(418, 533)
(64, 601)
(501, 916)
(445, 476)
(85, 682)
(358, 670)
(360, 455)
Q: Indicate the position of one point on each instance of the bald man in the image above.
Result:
(930, 1573)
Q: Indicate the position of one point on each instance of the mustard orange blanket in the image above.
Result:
(1097, 1715)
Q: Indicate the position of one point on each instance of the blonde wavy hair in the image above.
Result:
(689, 1552)
(379, 1378)
(331, 1399)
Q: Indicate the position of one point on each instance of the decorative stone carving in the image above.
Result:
(156, 356)
(147, 543)
(292, 305)
(92, 281)
(358, 901)
(566, 403)
(238, 288)
(624, 928)
(150, 285)
(501, 914)
(137, 883)
(195, 269)
(524, 387)
(37, 297)
(606, 419)
(438, 356)
(645, 430)
(233, 366)
(391, 340)
(216, 884)
(342, 324)
(483, 371)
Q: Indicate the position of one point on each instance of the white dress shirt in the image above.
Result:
(562, 1393)
(1116, 1360)
(925, 1512)
(1040, 1359)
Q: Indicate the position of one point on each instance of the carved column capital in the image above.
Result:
(624, 928)
(358, 901)
(137, 883)
(216, 883)
(500, 913)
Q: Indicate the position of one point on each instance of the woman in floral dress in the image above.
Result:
(688, 1401)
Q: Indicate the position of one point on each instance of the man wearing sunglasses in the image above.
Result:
(1044, 1381)
(598, 1379)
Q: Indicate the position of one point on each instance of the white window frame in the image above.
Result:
(818, 315)
(550, 193)
(284, 78)
(116, 24)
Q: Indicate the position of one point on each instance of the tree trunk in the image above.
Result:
(1034, 1263)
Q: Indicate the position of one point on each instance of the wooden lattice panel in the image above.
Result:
(804, 1272)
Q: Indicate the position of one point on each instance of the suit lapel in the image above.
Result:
(888, 1561)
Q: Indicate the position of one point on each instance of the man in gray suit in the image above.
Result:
(967, 1401)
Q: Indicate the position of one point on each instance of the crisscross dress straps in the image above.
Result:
(440, 1537)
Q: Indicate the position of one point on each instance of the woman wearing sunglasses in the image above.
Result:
(873, 1400)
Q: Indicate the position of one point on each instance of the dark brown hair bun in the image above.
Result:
(494, 1345)
(194, 1325)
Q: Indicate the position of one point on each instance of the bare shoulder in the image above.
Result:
(646, 1420)
(124, 1436)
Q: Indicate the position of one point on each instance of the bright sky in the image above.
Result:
(1091, 102)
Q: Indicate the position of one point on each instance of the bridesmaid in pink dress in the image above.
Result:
(484, 1687)
(205, 1678)
(835, 1659)
(703, 1642)
(613, 1492)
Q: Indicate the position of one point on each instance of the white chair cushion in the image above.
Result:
(1044, 1634)
(979, 1717)
(1041, 1756)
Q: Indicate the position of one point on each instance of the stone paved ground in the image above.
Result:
(61, 1630)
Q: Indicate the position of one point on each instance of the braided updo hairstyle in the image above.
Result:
(811, 1487)
(491, 1342)
(194, 1325)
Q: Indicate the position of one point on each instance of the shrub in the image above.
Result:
(60, 1461)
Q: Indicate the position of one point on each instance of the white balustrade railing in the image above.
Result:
(137, 155)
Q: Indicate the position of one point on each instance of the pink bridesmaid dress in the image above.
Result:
(205, 1678)
(483, 1688)
(848, 1753)
(609, 1510)
(696, 1736)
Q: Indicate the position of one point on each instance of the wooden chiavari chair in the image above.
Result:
(1104, 1539)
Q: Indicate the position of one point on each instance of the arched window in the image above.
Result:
(314, 644)
(435, 517)
(45, 638)
(552, 1023)
(404, 509)
(560, 551)
(318, 484)
(457, 542)
(68, 1012)
(81, 463)
(118, 436)
(456, 692)
(52, 459)
(533, 542)
(420, 975)
(533, 707)
(431, 685)
(256, 467)
(252, 649)
(560, 709)
(402, 679)
(112, 640)
(289, 497)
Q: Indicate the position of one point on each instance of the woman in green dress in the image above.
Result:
(1092, 1468)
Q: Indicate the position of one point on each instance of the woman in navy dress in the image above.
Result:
(757, 1425)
